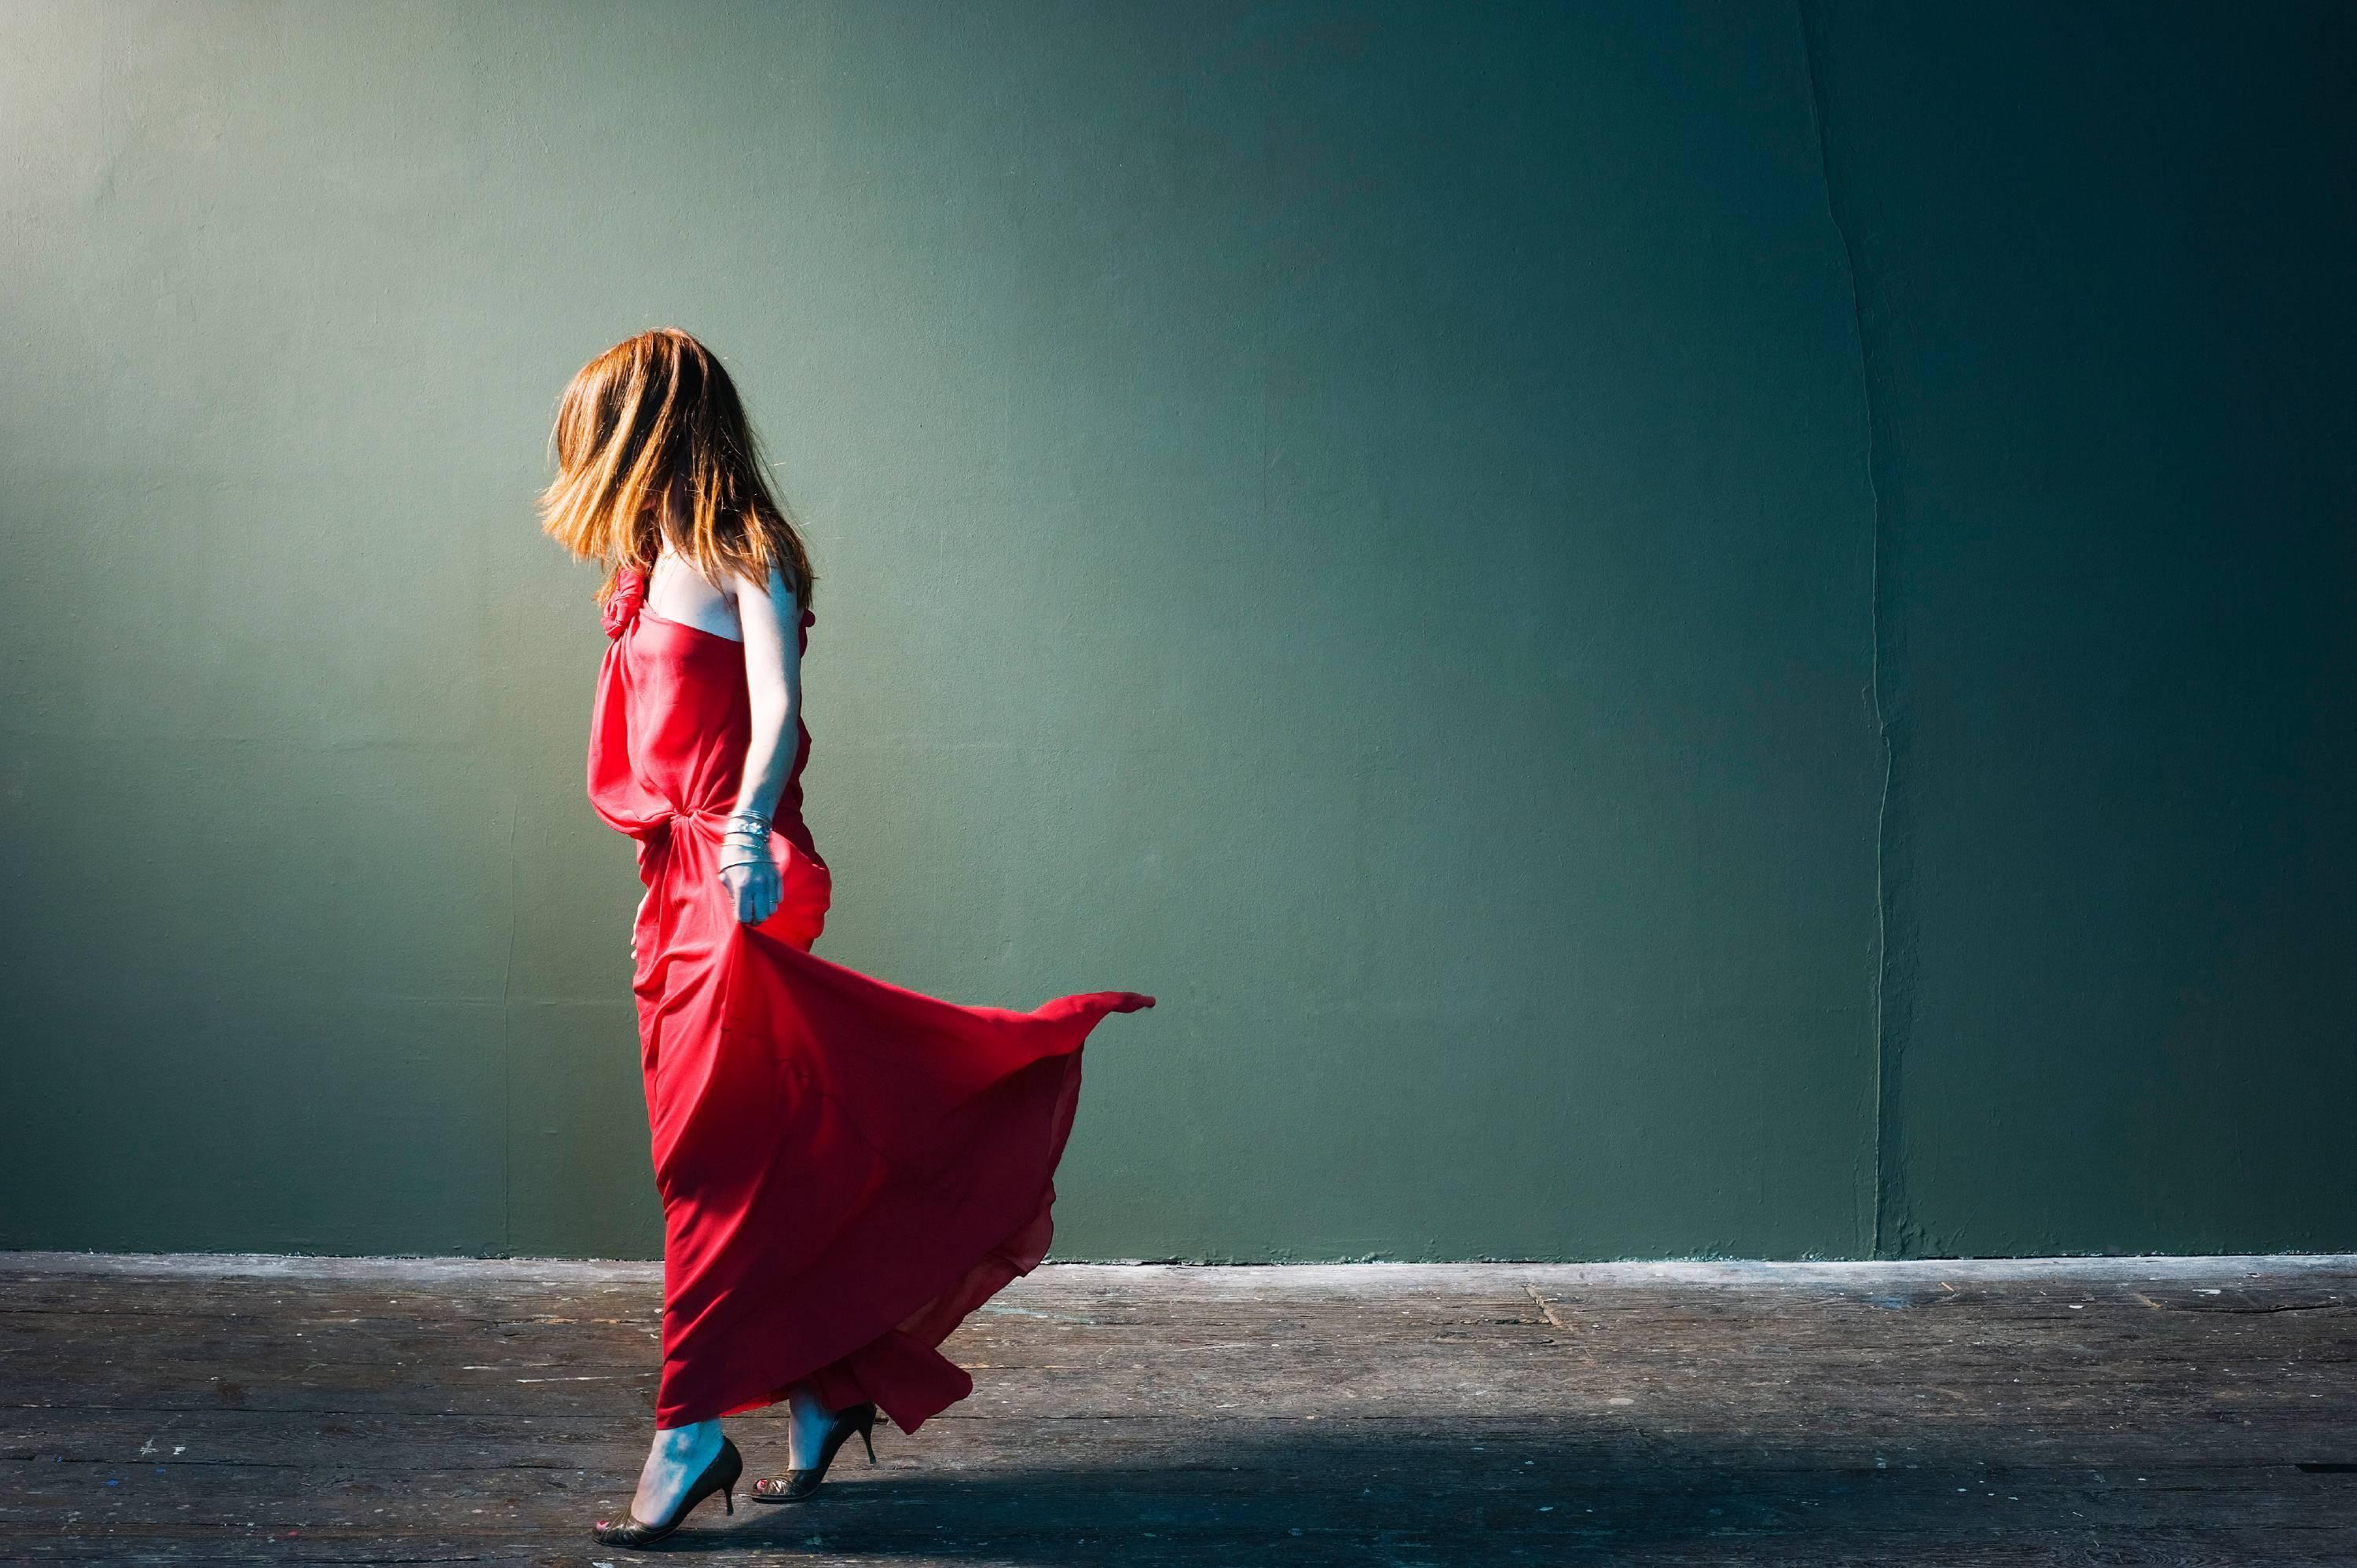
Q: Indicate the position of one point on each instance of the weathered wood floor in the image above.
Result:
(251, 1409)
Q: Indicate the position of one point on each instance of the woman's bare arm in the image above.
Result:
(770, 620)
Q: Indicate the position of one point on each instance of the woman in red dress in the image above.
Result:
(847, 1168)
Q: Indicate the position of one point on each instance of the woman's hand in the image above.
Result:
(755, 889)
(641, 915)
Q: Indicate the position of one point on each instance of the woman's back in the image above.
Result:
(677, 592)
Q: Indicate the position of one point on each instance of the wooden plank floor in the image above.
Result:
(256, 1410)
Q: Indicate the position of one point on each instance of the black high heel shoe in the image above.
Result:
(795, 1485)
(721, 1476)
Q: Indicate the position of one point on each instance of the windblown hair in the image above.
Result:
(651, 443)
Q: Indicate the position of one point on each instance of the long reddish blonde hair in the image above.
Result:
(651, 441)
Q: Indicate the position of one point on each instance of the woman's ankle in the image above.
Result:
(691, 1438)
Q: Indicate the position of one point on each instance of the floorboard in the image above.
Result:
(250, 1409)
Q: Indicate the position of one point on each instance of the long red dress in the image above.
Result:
(847, 1168)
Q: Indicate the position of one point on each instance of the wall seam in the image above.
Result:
(1891, 995)
(507, 1046)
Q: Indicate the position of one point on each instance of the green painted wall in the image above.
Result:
(2105, 258)
(1403, 530)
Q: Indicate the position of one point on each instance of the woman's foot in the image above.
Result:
(813, 1435)
(678, 1456)
(807, 1424)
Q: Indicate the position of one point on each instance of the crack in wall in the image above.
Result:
(1892, 1231)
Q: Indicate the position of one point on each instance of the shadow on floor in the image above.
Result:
(1539, 1495)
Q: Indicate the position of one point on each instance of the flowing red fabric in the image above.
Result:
(847, 1168)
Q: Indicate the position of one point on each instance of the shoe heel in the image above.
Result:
(867, 1434)
(728, 1500)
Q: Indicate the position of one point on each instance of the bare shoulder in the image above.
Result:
(778, 593)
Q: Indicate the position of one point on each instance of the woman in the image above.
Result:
(847, 1168)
